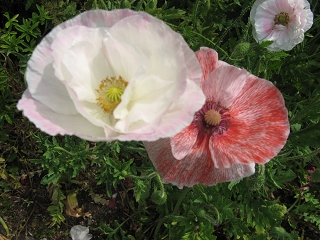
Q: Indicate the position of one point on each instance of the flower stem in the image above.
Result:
(5, 226)
(215, 45)
(160, 184)
(150, 176)
(194, 17)
(95, 4)
(244, 10)
(62, 149)
(306, 130)
(207, 39)
(183, 193)
(315, 152)
(297, 200)
(262, 169)
(306, 111)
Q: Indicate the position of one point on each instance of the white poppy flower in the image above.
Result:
(281, 21)
(107, 75)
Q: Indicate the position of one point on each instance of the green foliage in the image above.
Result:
(21, 38)
(63, 160)
(277, 202)
(280, 233)
(17, 41)
(112, 232)
(57, 208)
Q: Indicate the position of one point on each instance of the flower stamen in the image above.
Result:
(110, 92)
(282, 19)
(212, 117)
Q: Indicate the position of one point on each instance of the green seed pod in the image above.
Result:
(201, 213)
(240, 51)
(159, 198)
(255, 182)
(126, 4)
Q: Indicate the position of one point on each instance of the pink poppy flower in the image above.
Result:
(107, 75)
(243, 121)
(281, 21)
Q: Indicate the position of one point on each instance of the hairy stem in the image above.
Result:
(150, 176)
(315, 152)
(5, 226)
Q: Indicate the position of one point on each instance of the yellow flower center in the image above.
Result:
(110, 92)
(212, 117)
(282, 18)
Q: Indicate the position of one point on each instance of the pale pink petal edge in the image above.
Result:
(53, 123)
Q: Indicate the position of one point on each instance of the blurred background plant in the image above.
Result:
(112, 187)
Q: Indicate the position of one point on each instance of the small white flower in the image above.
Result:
(79, 232)
(281, 21)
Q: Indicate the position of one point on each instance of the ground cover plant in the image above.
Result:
(48, 184)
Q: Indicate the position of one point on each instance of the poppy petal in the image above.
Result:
(259, 126)
(196, 168)
(53, 123)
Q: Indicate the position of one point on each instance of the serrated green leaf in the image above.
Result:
(142, 189)
(284, 177)
(50, 178)
(270, 177)
(281, 234)
(233, 183)
(199, 200)
(266, 44)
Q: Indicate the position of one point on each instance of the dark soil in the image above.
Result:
(25, 212)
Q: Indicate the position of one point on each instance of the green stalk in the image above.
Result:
(207, 39)
(150, 176)
(262, 169)
(215, 45)
(315, 152)
(184, 192)
(5, 226)
(194, 17)
(95, 4)
(62, 149)
(306, 130)
(304, 113)
(160, 184)
(297, 200)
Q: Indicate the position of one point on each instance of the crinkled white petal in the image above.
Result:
(162, 73)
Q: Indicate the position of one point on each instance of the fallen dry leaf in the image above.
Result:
(72, 206)
(3, 237)
(98, 199)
